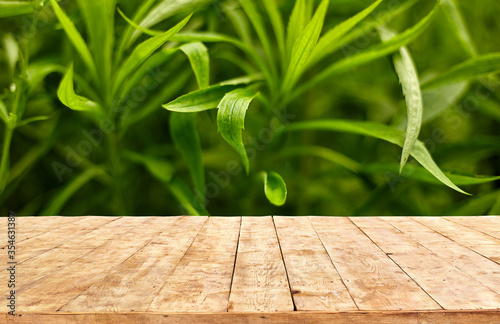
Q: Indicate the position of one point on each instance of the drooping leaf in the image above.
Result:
(143, 51)
(421, 174)
(375, 52)
(231, 119)
(57, 203)
(15, 8)
(328, 42)
(408, 77)
(380, 131)
(187, 141)
(303, 47)
(161, 169)
(470, 69)
(69, 98)
(75, 38)
(136, 26)
(274, 188)
(99, 19)
(197, 54)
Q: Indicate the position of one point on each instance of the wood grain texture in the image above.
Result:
(442, 280)
(355, 317)
(260, 283)
(482, 243)
(374, 281)
(132, 285)
(255, 270)
(202, 279)
(56, 290)
(314, 281)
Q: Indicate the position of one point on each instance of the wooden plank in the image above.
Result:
(486, 224)
(202, 280)
(363, 317)
(445, 283)
(56, 259)
(259, 283)
(374, 281)
(481, 243)
(56, 236)
(314, 281)
(54, 291)
(132, 285)
(473, 264)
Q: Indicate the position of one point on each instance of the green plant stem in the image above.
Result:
(116, 171)
(4, 164)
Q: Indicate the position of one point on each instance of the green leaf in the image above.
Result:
(69, 98)
(408, 77)
(190, 203)
(470, 69)
(199, 100)
(187, 141)
(380, 131)
(375, 52)
(451, 11)
(327, 44)
(11, 52)
(207, 98)
(161, 169)
(260, 28)
(478, 205)
(274, 188)
(296, 25)
(31, 120)
(99, 19)
(421, 174)
(166, 9)
(75, 38)
(143, 51)
(57, 203)
(324, 153)
(277, 22)
(14, 8)
(437, 100)
(136, 26)
(3, 113)
(197, 54)
(304, 46)
(231, 120)
(239, 21)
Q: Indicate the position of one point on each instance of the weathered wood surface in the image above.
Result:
(254, 270)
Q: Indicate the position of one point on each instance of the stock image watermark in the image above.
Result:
(11, 263)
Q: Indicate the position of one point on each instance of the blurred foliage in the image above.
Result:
(140, 159)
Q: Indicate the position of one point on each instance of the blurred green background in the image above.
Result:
(462, 130)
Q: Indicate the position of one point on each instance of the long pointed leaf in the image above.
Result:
(277, 22)
(467, 70)
(380, 131)
(296, 25)
(303, 47)
(408, 77)
(328, 42)
(373, 53)
(231, 120)
(69, 98)
(197, 54)
(75, 38)
(187, 141)
(144, 50)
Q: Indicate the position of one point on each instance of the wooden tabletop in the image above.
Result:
(254, 269)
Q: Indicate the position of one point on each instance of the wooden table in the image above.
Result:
(255, 270)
